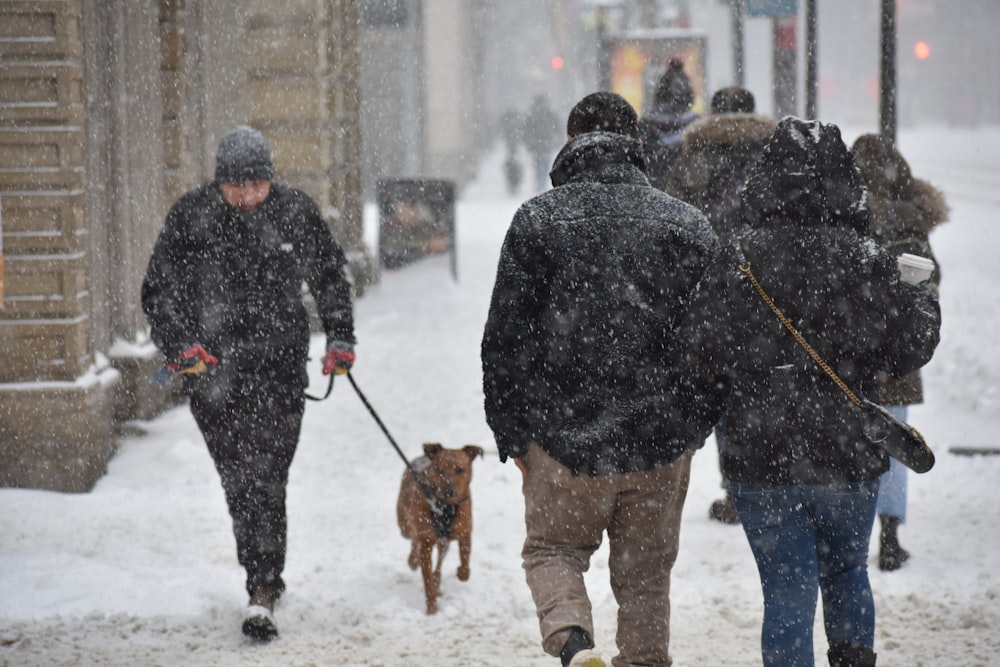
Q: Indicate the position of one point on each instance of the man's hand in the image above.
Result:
(339, 358)
(521, 465)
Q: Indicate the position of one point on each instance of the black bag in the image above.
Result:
(882, 429)
(899, 440)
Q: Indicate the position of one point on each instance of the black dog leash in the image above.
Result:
(442, 514)
(329, 389)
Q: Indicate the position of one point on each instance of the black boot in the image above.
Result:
(891, 556)
(847, 654)
(723, 510)
(259, 621)
(578, 641)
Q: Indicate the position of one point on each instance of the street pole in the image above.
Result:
(785, 65)
(736, 21)
(812, 54)
(887, 84)
(603, 50)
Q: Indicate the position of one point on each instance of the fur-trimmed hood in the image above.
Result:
(917, 206)
(924, 209)
(726, 129)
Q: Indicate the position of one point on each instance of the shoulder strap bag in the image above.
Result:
(882, 429)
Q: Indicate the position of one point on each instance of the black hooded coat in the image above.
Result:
(786, 421)
(234, 281)
(583, 348)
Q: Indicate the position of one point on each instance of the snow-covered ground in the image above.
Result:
(142, 571)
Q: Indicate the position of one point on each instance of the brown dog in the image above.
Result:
(444, 474)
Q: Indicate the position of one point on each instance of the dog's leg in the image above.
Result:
(430, 578)
(442, 546)
(464, 551)
(414, 559)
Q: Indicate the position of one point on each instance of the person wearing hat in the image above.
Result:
(224, 300)
(717, 152)
(661, 127)
(588, 386)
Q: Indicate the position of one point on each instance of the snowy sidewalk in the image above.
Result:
(142, 571)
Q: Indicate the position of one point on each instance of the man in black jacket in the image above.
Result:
(223, 296)
(589, 384)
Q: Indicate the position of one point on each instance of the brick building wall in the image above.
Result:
(109, 111)
(55, 394)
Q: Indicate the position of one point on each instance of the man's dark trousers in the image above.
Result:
(251, 426)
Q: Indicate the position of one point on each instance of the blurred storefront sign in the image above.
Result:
(633, 62)
(772, 7)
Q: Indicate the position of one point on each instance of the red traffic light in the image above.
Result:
(557, 62)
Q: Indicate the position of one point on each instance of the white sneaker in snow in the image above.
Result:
(587, 658)
(259, 624)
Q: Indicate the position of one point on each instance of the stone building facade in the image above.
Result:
(110, 110)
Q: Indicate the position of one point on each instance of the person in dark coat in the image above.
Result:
(803, 477)
(717, 153)
(904, 210)
(590, 386)
(511, 130)
(223, 291)
(661, 127)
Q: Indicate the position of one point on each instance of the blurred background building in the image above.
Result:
(438, 75)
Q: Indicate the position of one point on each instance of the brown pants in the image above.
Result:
(565, 518)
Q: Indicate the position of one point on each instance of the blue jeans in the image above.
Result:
(892, 490)
(803, 538)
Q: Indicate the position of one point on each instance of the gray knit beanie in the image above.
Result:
(243, 155)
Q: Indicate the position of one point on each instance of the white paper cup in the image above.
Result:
(914, 269)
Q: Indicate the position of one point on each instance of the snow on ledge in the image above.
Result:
(140, 348)
(100, 373)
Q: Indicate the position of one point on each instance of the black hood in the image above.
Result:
(806, 174)
(601, 156)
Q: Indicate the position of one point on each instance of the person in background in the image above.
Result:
(717, 152)
(590, 384)
(541, 138)
(803, 477)
(661, 127)
(223, 296)
(904, 210)
(510, 130)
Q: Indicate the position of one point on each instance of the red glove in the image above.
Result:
(338, 360)
(193, 360)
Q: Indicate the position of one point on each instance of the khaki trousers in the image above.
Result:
(565, 517)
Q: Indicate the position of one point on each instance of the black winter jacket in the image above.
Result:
(581, 348)
(234, 281)
(661, 135)
(786, 421)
